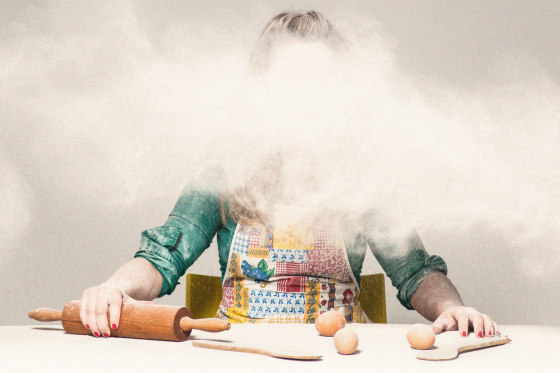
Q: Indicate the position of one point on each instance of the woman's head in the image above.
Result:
(294, 26)
(252, 202)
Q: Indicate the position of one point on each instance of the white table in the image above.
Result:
(382, 348)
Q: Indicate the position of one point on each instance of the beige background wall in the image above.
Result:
(72, 210)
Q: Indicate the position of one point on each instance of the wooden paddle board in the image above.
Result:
(453, 348)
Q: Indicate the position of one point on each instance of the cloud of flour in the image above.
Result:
(108, 109)
(16, 200)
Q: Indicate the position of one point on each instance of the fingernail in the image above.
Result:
(464, 333)
(479, 334)
(106, 335)
(96, 334)
(490, 333)
(114, 326)
(87, 326)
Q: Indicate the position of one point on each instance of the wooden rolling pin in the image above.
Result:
(138, 320)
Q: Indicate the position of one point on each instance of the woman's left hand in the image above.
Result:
(464, 318)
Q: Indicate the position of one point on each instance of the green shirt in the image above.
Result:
(195, 220)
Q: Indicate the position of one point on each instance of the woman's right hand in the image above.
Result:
(96, 302)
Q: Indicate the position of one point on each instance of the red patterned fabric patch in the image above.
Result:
(228, 296)
(254, 241)
(292, 284)
(328, 263)
(324, 239)
(287, 268)
(348, 296)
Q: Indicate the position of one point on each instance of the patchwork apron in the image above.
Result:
(288, 273)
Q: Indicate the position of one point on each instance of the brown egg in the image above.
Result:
(345, 341)
(329, 323)
(421, 336)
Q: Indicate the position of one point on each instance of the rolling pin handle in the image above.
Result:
(208, 325)
(45, 314)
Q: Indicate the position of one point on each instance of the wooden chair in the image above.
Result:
(204, 294)
(372, 297)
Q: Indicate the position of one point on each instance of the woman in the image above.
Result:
(278, 264)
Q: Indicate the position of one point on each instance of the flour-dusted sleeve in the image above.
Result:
(407, 265)
(189, 230)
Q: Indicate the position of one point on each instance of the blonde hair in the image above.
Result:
(251, 203)
(308, 26)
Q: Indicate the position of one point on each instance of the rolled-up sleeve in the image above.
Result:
(407, 265)
(189, 230)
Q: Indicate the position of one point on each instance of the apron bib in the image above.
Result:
(288, 273)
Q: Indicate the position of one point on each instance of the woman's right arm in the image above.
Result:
(164, 255)
(137, 279)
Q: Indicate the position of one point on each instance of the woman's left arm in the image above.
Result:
(438, 300)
